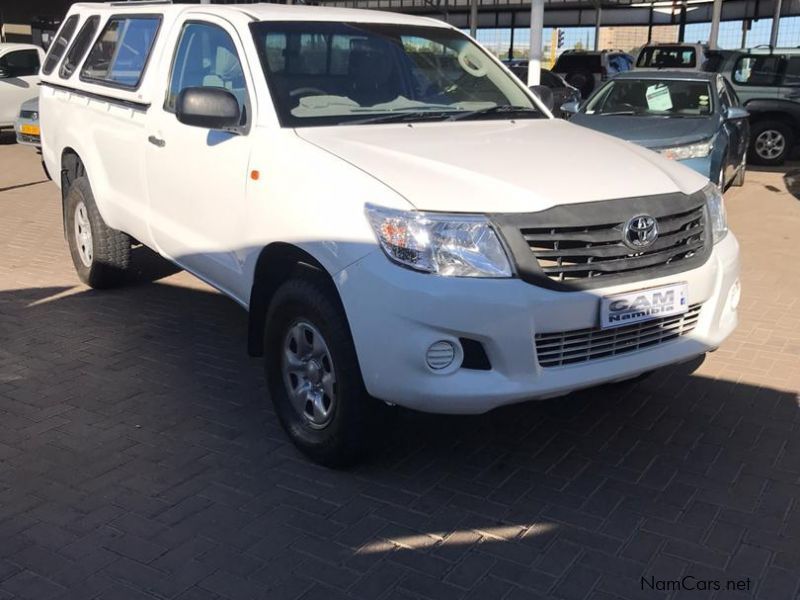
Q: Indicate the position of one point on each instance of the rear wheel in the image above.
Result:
(770, 143)
(313, 376)
(101, 255)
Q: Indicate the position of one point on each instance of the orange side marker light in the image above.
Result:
(254, 175)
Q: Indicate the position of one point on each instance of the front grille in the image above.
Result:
(581, 345)
(567, 253)
(580, 246)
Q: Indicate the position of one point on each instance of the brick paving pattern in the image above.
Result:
(139, 459)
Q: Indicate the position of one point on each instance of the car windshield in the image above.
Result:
(648, 97)
(665, 57)
(323, 73)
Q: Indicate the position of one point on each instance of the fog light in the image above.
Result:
(734, 295)
(440, 355)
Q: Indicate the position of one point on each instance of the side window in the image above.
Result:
(120, 54)
(60, 45)
(206, 57)
(791, 75)
(756, 70)
(20, 63)
(79, 47)
(550, 80)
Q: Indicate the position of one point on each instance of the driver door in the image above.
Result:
(197, 176)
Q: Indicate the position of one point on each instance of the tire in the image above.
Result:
(583, 80)
(770, 143)
(101, 255)
(305, 319)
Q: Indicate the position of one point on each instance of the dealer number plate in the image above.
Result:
(643, 305)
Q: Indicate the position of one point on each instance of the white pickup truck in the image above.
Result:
(403, 220)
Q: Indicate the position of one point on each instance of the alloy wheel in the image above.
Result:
(83, 234)
(770, 144)
(308, 374)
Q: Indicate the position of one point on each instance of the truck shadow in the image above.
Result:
(142, 402)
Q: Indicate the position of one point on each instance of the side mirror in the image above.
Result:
(545, 94)
(735, 113)
(570, 108)
(208, 107)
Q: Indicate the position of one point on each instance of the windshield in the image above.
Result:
(323, 73)
(665, 57)
(648, 97)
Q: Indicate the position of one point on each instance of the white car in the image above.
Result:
(404, 221)
(19, 79)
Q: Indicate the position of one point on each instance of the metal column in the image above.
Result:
(535, 52)
(597, 27)
(473, 18)
(776, 22)
(716, 14)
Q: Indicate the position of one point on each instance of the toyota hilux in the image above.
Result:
(404, 221)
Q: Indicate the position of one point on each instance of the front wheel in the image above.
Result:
(313, 376)
(770, 143)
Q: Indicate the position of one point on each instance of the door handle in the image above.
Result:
(156, 141)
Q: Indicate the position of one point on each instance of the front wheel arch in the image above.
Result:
(277, 263)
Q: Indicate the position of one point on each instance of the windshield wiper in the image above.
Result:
(619, 113)
(405, 116)
(499, 109)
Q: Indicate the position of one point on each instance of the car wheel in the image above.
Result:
(770, 143)
(101, 255)
(313, 376)
(583, 80)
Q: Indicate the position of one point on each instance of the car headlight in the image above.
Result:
(697, 150)
(452, 245)
(716, 212)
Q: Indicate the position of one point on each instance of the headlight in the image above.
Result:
(698, 150)
(716, 212)
(453, 245)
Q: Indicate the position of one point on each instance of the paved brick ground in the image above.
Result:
(138, 459)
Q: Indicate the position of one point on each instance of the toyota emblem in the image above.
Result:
(640, 232)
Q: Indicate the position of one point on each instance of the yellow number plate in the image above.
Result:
(29, 129)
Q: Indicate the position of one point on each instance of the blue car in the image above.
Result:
(692, 117)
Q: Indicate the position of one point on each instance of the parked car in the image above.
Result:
(692, 117)
(562, 91)
(19, 76)
(404, 226)
(674, 57)
(768, 83)
(587, 70)
(27, 124)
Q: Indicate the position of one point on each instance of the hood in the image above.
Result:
(502, 166)
(651, 132)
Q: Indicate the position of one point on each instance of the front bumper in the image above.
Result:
(396, 314)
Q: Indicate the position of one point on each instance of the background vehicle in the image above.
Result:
(27, 124)
(674, 57)
(562, 91)
(19, 76)
(768, 83)
(587, 70)
(692, 117)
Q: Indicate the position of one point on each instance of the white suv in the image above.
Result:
(405, 222)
